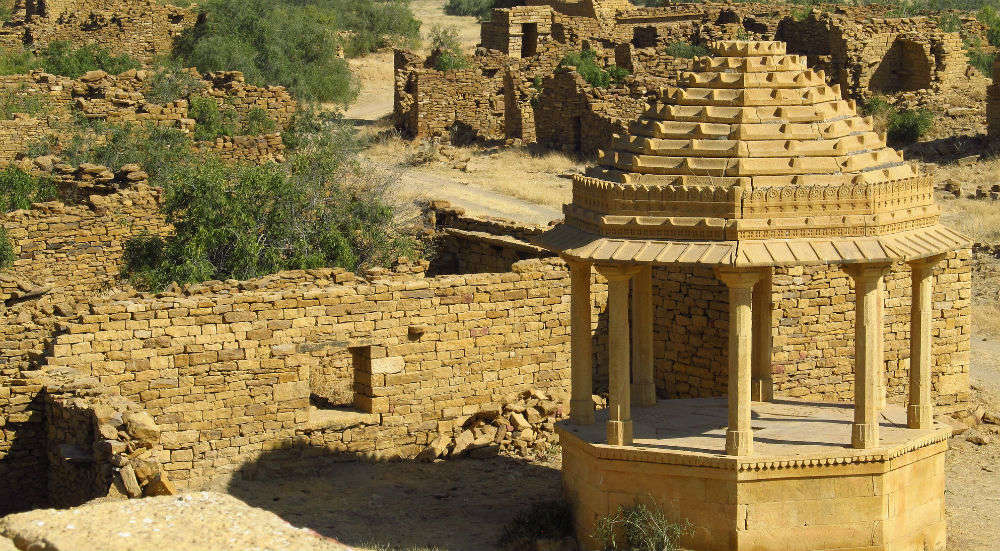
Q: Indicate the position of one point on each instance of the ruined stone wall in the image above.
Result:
(876, 55)
(473, 244)
(652, 60)
(64, 256)
(98, 445)
(143, 29)
(517, 31)
(436, 103)
(575, 116)
(226, 373)
(255, 149)
(125, 99)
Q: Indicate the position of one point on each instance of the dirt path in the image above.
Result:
(972, 494)
(475, 200)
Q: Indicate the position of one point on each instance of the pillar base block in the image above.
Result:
(739, 442)
(644, 394)
(864, 436)
(920, 417)
(761, 390)
(620, 433)
(581, 412)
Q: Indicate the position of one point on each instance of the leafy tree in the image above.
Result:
(244, 221)
(294, 43)
(448, 49)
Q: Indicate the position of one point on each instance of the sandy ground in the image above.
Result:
(973, 472)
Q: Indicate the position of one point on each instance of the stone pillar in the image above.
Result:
(762, 389)
(920, 413)
(739, 436)
(581, 406)
(643, 385)
(619, 401)
(867, 352)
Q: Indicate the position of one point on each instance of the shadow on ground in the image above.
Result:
(452, 505)
(950, 149)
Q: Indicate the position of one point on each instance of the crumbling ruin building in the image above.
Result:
(867, 55)
(144, 29)
(516, 90)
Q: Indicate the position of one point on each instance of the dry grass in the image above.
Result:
(539, 178)
(978, 219)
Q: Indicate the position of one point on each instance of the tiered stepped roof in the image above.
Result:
(753, 161)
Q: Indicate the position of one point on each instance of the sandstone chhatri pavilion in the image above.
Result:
(755, 163)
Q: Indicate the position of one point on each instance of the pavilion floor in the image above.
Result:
(783, 427)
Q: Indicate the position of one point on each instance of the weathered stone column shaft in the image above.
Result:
(619, 400)
(867, 354)
(581, 408)
(920, 413)
(643, 384)
(739, 435)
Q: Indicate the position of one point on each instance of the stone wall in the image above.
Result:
(469, 101)
(127, 99)
(814, 332)
(98, 445)
(813, 321)
(143, 29)
(573, 115)
(877, 55)
(225, 370)
(65, 255)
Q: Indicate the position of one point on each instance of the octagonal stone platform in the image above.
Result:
(802, 488)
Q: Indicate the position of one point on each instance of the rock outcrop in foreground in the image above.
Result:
(203, 521)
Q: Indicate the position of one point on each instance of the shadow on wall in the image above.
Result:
(457, 504)
(24, 465)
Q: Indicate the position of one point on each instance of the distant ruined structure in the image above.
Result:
(144, 29)
(516, 91)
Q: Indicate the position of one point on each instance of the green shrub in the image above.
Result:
(444, 40)
(585, 63)
(876, 106)
(257, 121)
(173, 83)
(643, 526)
(543, 520)
(907, 126)
(294, 43)
(161, 152)
(18, 189)
(246, 221)
(990, 18)
(22, 101)
(686, 49)
(14, 61)
(949, 23)
(982, 61)
(7, 256)
(61, 58)
(211, 120)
